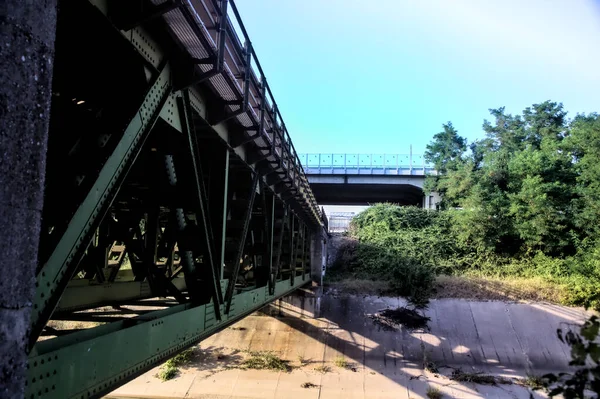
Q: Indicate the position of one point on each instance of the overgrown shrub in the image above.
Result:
(408, 246)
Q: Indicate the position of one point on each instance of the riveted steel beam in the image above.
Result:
(242, 242)
(55, 274)
(90, 363)
(213, 270)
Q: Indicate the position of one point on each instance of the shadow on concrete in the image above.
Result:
(508, 339)
(214, 359)
(335, 348)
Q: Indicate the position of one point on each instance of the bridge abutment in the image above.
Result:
(430, 200)
(318, 255)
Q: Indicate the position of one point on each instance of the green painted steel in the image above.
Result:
(146, 198)
(224, 220)
(93, 362)
(57, 270)
(83, 295)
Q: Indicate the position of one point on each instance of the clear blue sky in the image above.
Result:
(363, 76)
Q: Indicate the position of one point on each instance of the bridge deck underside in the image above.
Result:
(364, 194)
(173, 194)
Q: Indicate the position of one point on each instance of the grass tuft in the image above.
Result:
(534, 382)
(323, 369)
(302, 360)
(431, 367)
(341, 362)
(265, 360)
(309, 385)
(477, 378)
(434, 393)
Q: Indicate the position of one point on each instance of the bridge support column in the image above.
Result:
(318, 255)
(430, 200)
(27, 32)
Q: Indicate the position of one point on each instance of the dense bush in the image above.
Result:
(522, 202)
(408, 246)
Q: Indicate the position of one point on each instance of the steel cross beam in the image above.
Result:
(91, 363)
(201, 198)
(55, 274)
(243, 237)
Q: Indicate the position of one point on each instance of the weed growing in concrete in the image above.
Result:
(323, 369)
(428, 364)
(477, 378)
(309, 385)
(302, 360)
(171, 367)
(341, 362)
(534, 382)
(167, 372)
(434, 393)
(182, 358)
(265, 360)
(432, 367)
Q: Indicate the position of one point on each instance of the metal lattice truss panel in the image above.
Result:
(175, 203)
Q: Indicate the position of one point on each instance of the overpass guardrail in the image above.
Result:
(375, 164)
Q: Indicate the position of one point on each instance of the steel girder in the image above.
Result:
(147, 199)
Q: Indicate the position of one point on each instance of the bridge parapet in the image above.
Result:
(365, 164)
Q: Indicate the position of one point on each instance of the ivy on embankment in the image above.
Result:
(408, 247)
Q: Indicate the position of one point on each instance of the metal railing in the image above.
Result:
(376, 163)
(217, 40)
(276, 130)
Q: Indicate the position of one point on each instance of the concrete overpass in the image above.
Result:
(361, 179)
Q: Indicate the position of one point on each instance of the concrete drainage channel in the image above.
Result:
(338, 346)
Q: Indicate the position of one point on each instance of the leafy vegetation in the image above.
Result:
(167, 372)
(532, 381)
(170, 369)
(434, 393)
(522, 203)
(477, 378)
(323, 369)
(341, 362)
(585, 355)
(265, 360)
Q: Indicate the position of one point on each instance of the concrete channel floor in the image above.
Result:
(512, 340)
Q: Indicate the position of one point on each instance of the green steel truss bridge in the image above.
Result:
(175, 203)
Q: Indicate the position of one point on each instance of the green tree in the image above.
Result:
(506, 133)
(486, 223)
(544, 121)
(446, 153)
(542, 182)
(446, 150)
(583, 146)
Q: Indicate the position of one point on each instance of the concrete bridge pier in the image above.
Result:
(430, 200)
(27, 31)
(303, 303)
(318, 255)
